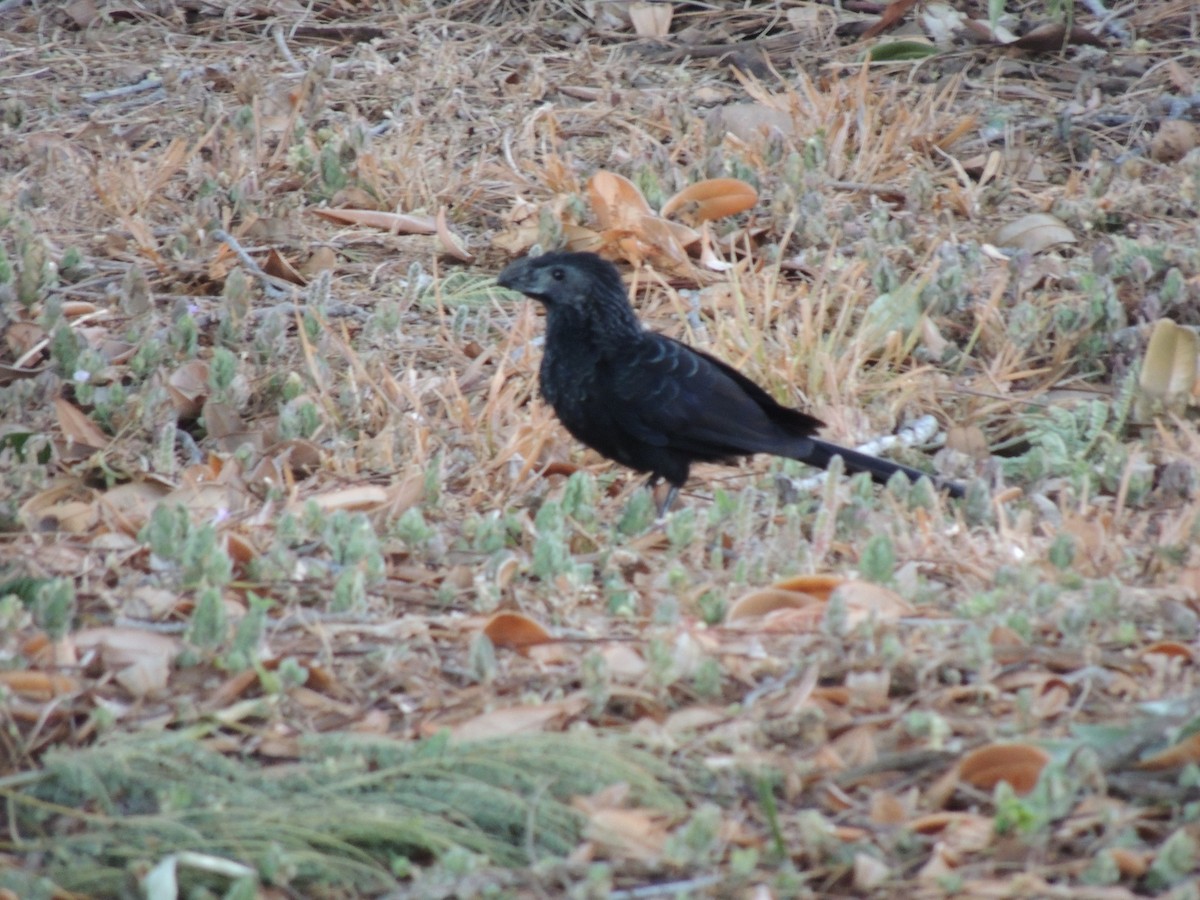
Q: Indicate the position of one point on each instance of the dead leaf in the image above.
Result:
(127, 507)
(891, 17)
(65, 505)
(943, 23)
(80, 431)
(752, 123)
(1131, 864)
(868, 602)
(869, 872)
(83, 13)
(624, 663)
(759, 603)
(140, 659)
(24, 340)
(226, 427)
(581, 239)
(300, 458)
(38, 685)
(858, 746)
(239, 548)
(821, 586)
(450, 242)
(713, 198)
(616, 202)
(1035, 232)
(1172, 649)
(1054, 36)
(1173, 141)
(393, 223)
(869, 690)
(651, 20)
(518, 719)
(188, 387)
(665, 242)
(709, 258)
(1169, 370)
(1019, 765)
(959, 831)
(887, 809)
(1186, 752)
(323, 259)
(515, 631)
(9, 374)
(939, 867)
(275, 264)
(968, 439)
(628, 833)
(353, 499)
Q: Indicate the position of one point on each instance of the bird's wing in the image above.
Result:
(670, 395)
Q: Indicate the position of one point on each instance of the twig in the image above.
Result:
(904, 761)
(152, 82)
(281, 45)
(271, 284)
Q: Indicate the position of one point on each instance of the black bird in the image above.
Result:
(650, 402)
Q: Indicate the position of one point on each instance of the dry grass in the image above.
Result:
(268, 511)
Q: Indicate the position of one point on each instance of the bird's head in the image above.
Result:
(557, 279)
(581, 291)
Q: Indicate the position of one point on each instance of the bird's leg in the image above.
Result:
(665, 506)
(667, 501)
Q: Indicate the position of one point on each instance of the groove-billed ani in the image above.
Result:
(648, 401)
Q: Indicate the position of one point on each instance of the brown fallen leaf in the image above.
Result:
(1035, 232)
(1053, 36)
(638, 834)
(1186, 752)
(80, 431)
(450, 242)
(1130, 863)
(393, 223)
(524, 719)
(38, 685)
(713, 198)
(1173, 141)
(891, 17)
(188, 388)
(1174, 649)
(127, 507)
(757, 604)
(1169, 372)
(961, 831)
(865, 601)
(140, 659)
(651, 20)
(322, 259)
(353, 499)
(616, 202)
(275, 264)
(1020, 765)
(65, 504)
(515, 631)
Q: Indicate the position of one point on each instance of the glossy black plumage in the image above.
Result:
(648, 401)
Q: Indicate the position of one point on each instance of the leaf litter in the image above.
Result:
(275, 475)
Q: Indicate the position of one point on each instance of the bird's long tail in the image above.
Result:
(822, 452)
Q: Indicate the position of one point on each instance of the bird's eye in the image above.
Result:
(558, 274)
